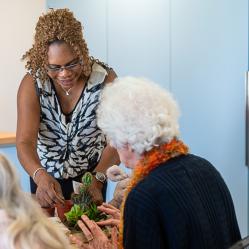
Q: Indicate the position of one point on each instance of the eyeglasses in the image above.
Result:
(69, 67)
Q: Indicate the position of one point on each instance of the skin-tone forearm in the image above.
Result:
(28, 156)
(45, 183)
(109, 157)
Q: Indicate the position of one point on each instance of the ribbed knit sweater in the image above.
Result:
(182, 204)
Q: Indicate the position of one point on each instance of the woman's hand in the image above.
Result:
(119, 192)
(48, 190)
(96, 238)
(110, 210)
(95, 190)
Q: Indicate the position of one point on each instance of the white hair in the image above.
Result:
(27, 227)
(137, 112)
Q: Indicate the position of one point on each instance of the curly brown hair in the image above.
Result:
(56, 25)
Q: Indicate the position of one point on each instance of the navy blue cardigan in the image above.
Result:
(182, 204)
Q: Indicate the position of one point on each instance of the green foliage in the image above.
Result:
(83, 204)
(84, 198)
(74, 214)
(93, 213)
(87, 179)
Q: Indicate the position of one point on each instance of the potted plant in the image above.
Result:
(63, 208)
(83, 204)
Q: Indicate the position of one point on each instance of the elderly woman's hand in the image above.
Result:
(119, 192)
(96, 238)
(110, 210)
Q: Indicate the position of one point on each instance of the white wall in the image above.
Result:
(17, 23)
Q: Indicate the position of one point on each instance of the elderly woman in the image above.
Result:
(22, 222)
(175, 199)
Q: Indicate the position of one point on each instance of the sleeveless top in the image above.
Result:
(69, 148)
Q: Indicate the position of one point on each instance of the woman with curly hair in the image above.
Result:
(58, 139)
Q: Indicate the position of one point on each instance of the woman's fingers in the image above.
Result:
(109, 209)
(48, 191)
(58, 193)
(114, 236)
(88, 235)
(109, 222)
(93, 227)
(43, 198)
(54, 196)
(95, 237)
(104, 204)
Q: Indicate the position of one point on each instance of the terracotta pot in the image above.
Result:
(63, 208)
(49, 211)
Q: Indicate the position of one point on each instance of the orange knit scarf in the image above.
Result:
(148, 162)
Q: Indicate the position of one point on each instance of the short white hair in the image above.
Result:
(137, 112)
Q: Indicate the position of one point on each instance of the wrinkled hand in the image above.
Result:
(95, 190)
(96, 238)
(113, 212)
(48, 190)
(119, 192)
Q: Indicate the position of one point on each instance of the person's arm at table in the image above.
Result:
(28, 122)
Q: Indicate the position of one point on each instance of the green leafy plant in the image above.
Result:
(74, 215)
(83, 204)
(94, 214)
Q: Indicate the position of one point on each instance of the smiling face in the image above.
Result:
(64, 67)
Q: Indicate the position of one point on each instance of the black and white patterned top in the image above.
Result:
(68, 148)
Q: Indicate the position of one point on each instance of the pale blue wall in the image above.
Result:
(197, 49)
(10, 153)
(210, 58)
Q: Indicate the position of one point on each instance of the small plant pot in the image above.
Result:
(49, 211)
(63, 208)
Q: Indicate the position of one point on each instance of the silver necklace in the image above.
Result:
(67, 92)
